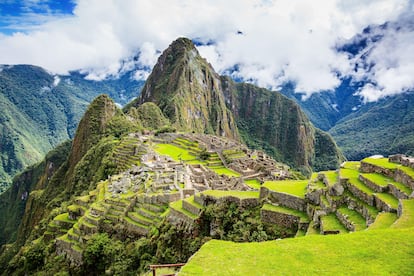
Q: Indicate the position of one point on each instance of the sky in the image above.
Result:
(266, 42)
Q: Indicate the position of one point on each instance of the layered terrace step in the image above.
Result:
(284, 216)
(192, 206)
(383, 221)
(140, 218)
(330, 224)
(351, 219)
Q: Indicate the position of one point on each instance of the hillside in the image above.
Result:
(373, 198)
(195, 98)
(41, 110)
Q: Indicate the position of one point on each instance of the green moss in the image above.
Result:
(293, 187)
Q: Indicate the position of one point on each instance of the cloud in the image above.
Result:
(262, 41)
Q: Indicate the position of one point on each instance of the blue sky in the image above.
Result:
(269, 42)
(17, 15)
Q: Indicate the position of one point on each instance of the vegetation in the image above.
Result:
(293, 187)
(384, 252)
(174, 152)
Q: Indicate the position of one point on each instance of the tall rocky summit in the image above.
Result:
(189, 92)
(195, 98)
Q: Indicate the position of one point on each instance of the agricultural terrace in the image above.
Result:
(293, 187)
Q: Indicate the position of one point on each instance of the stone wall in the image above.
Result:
(285, 220)
(401, 176)
(344, 220)
(283, 199)
(370, 168)
(383, 206)
(369, 199)
(177, 218)
(396, 192)
(65, 248)
(191, 208)
(360, 208)
(372, 185)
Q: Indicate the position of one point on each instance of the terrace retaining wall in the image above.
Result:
(282, 219)
(283, 199)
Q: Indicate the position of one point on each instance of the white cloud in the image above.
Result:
(279, 40)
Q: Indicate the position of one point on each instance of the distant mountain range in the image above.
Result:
(40, 110)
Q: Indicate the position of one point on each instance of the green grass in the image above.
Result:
(178, 206)
(315, 183)
(225, 171)
(381, 162)
(253, 183)
(331, 176)
(348, 173)
(355, 217)
(238, 194)
(407, 218)
(407, 170)
(284, 210)
(382, 252)
(192, 201)
(353, 165)
(293, 187)
(389, 199)
(64, 217)
(331, 223)
(377, 178)
(174, 152)
(383, 220)
(361, 186)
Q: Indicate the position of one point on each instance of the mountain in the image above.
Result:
(189, 92)
(41, 110)
(195, 98)
(137, 186)
(362, 128)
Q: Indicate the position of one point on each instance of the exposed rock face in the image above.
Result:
(189, 92)
(270, 120)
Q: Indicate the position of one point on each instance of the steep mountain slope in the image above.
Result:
(195, 98)
(385, 127)
(188, 91)
(40, 110)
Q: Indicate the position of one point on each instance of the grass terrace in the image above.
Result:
(355, 217)
(381, 162)
(253, 183)
(284, 210)
(315, 183)
(331, 176)
(384, 220)
(407, 218)
(382, 252)
(353, 165)
(348, 173)
(238, 194)
(292, 187)
(174, 152)
(225, 171)
(178, 206)
(331, 223)
(389, 199)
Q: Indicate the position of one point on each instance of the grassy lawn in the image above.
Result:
(383, 221)
(331, 223)
(284, 210)
(361, 186)
(382, 252)
(407, 218)
(178, 206)
(239, 194)
(348, 173)
(355, 217)
(64, 217)
(174, 152)
(225, 171)
(253, 183)
(331, 176)
(381, 162)
(293, 187)
(389, 199)
(353, 165)
(377, 178)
